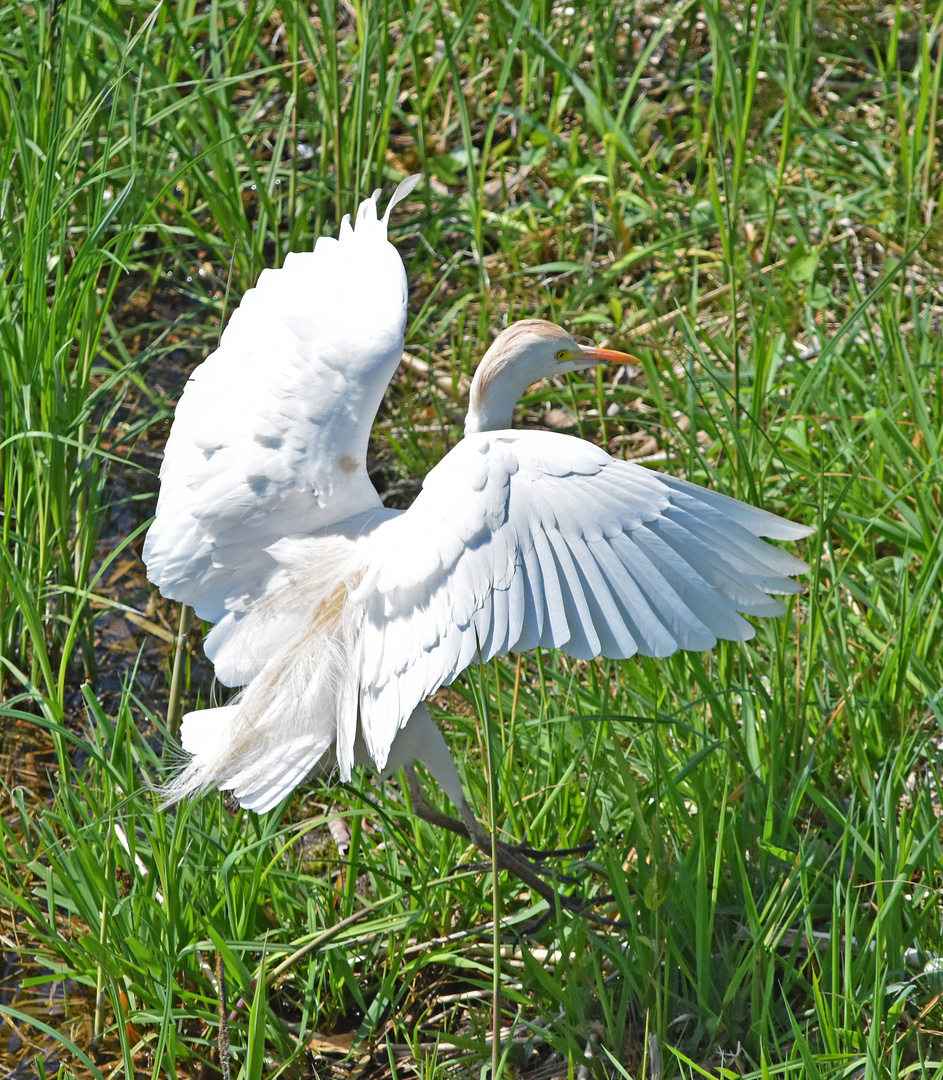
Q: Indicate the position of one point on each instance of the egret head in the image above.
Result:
(524, 353)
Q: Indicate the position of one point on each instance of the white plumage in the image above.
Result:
(340, 617)
(270, 437)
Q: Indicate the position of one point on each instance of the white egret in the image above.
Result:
(339, 617)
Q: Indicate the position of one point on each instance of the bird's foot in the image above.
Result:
(518, 859)
(515, 854)
(538, 854)
(525, 863)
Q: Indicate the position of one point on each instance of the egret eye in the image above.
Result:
(563, 355)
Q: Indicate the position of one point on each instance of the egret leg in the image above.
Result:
(510, 858)
(425, 810)
(421, 740)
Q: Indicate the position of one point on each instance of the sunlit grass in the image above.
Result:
(749, 201)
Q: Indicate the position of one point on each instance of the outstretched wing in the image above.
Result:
(270, 436)
(520, 539)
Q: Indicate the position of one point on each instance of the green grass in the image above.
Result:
(749, 199)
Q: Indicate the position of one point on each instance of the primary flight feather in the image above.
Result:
(340, 617)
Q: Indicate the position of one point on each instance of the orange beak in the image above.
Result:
(607, 356)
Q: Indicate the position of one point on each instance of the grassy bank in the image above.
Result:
(746, 199)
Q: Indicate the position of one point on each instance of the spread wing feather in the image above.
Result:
(269, 438)
(497, 554)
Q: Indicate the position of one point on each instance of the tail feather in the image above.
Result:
(299, 711)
